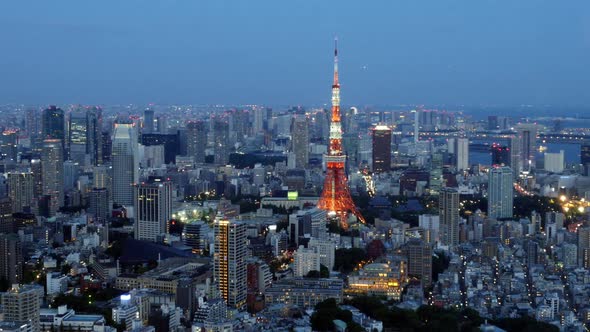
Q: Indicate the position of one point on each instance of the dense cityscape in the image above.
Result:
(220, 166)
(251, 218)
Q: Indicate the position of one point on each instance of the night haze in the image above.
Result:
(231, 52)
(350, 166)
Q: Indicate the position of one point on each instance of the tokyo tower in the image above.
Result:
(336, 195)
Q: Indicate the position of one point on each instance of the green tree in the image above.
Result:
(347, 259)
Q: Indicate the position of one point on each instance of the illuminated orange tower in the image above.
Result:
(336, 194)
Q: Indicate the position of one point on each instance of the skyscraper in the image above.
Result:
(125, 163)
(259, 119)
(500, 193)
(381, 149)
(11, 258)
(98, 204)
(8, 144)
(436, 180)
(196, 140)
(462, 153)
(22, 303)
(230, 260)
(448, 211)
(32, 124)
(193, 236)
(153, 209)
(77, 136)
(102, 178)
(419, 254)
(53, 123)
(515, 157)
(584, 247)
(527, 133)
(53, 177)
(300, 140)
(221, 141)
(21, 190)
(585, 158)
(85, 135)
(500, 155)
(148, 121)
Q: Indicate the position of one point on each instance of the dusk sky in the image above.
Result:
(507, 52)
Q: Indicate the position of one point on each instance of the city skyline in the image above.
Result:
(184, 213)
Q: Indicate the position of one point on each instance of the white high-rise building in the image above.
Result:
(125, 163)
(500, 193)
(305, 260)
(462, 153)
(431, 224)
(229, 259)
(153, 209)
(554, 162)
(326, 249)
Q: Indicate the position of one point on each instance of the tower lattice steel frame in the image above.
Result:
(336, 197)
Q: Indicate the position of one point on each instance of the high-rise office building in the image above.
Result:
(37, 170)
(527, 133)
(98, 204)
(53, 177)
(7, 220)
(448, 211)
(462, 153)
(9, 144)
(11, 258)
(77, 136)
(221, 141)
(32, 124)
(71, 170)
(21, 190)
(85, 136)
(515, 157)
(584, 247)
(230, 260)
(500, 193)
(300, 140)
(419, 254)
(148, 121)
(162, 124)
(500, 155)
(436, 180)
(381, 149)
(196, 140)
(585, 158)
(153, 209)
(125, 163)
(22, 303)
(193, 236)
(53, 123)
(259, 120)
